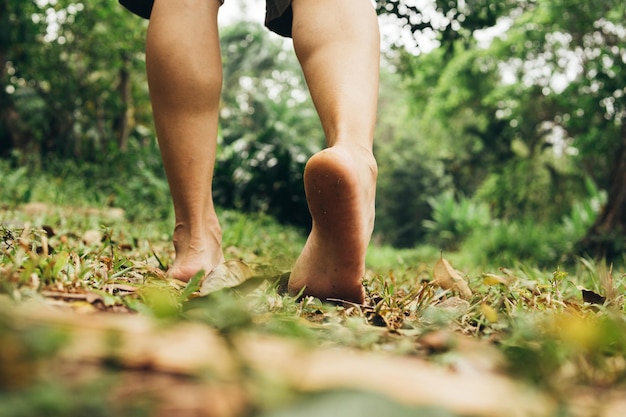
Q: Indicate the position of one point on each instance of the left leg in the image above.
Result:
(185, 78)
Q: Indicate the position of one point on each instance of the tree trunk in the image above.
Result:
(607, 237)
(122, 121)
(18, 135)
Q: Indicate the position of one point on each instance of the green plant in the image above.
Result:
(511, 243)
(454, 219)
(407, 177)
(584, 212)
(15, 185)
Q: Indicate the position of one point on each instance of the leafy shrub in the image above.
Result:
(467, 224)
(133, 181)
(584, 212)
(407, 177)
(15, 188)
(509, 243)
(265, 177)
(454, 219)
(269, 127)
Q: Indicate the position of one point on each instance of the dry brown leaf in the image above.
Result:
(65, 295)
(449, 278)
(229, 274)
(92, 237)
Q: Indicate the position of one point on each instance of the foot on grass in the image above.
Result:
(195, 254)
(340, 185)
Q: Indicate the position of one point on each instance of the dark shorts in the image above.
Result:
(278, 13)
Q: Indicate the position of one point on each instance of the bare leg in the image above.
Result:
(337, 43)
(185, 78)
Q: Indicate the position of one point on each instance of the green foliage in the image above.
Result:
(269, 127)
(542, 186)
(522, 117)
(509, 243)
(461, 18)
(223, 311)
(73, 82)
(586, 105)
(407, 178)
(454, 111)
(115, 180)
(584, 212)
(55, 399)
(548, 336)
(15, 187)
(565, 338)
(410, 169)
(454, 220)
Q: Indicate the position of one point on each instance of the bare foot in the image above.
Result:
(195, 254)
(340, 188)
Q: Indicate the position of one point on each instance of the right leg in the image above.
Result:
(185, 77)
(337, 43)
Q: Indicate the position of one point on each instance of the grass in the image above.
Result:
(534, 325)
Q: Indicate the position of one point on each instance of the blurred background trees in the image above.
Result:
(501, 128)
(72, 83)
(525, 100)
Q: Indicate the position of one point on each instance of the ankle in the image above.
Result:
(361, 155)
(197, 238)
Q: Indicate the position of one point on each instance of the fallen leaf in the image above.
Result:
(116, 288)
(49, 230)
(493, 279)
(83, 307)
(446, 311)
(449, 278)
(406, 380)
(490, 314)
(188, 348)
(229, 274)
(125, 247)
(64, 295)
(592, 297)
(578, 332)
(92, 237)
(456, 304)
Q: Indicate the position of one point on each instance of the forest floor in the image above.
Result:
(90, 325)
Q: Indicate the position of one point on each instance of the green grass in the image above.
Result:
(535, 318)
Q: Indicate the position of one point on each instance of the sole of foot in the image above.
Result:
(340, 188)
